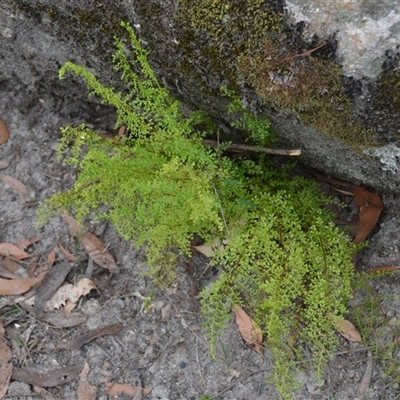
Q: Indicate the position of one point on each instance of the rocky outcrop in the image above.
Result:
(327, 74)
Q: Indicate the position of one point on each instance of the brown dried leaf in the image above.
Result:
(11, 269)
(27, 242)
(78, 342)
(50, 259)
(206, 250)
(10, 250)
(370, 207)
(366, 379)
(66, 253)
(15, 184)
(17, 286)
(53, 378)
(4, 132)
(96, 249)
(251, 333)
(73, 226)
(347, 329)
(66, 293)
(64, 320)
(114, 388)
(6, 366)
(85, 390)
(121, 131)
(5, 273)
(4, 164)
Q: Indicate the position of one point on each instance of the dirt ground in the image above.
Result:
(163, 348)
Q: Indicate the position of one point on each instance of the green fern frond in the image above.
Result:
(285, 261)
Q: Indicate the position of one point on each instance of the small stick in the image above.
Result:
(245, 147)
(306, 53)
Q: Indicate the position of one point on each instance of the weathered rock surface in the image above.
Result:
(326, 75)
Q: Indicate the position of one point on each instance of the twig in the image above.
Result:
(11, 221)
(254, 149)
(306, 53)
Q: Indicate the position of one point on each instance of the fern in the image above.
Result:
(285, 260)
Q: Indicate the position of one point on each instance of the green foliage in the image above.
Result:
(285, 261)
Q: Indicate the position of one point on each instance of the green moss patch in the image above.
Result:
(249, 37)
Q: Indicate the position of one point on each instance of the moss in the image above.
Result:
(308, 87)
(234, 27)
(386, 104)
(251, 38)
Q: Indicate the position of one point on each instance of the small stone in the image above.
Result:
(120, 304)
(19, 389)
(351, 374)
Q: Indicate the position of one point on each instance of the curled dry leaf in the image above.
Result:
(114, 388)
(4, 132)
(66, 253)
(251, 333)
(370, 207)
(95, 248)
(10, 250)
(11, 269)
(67, 293)
(17, 286)
(5, 364)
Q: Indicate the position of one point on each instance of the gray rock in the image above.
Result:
(195, 49)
